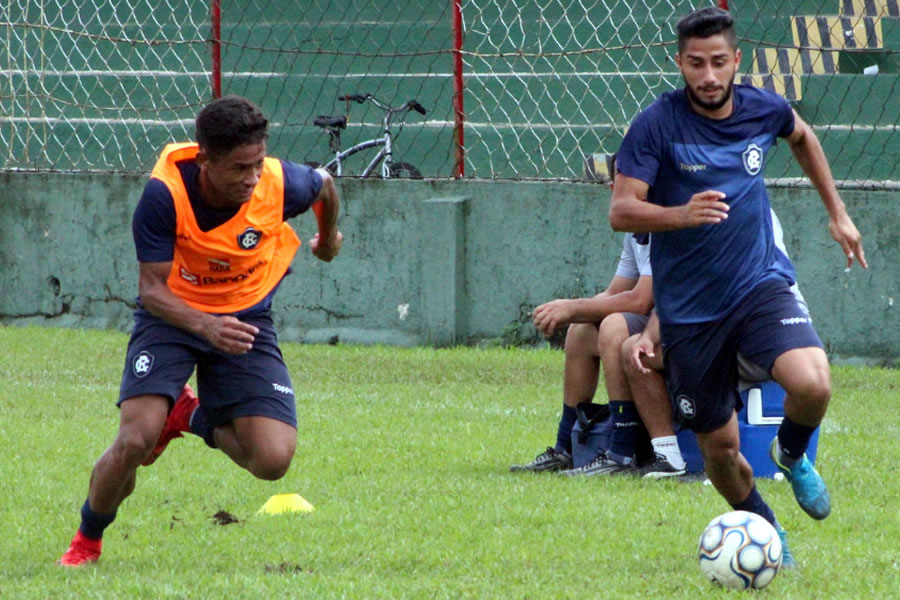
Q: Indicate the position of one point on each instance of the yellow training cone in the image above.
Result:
(285, 503)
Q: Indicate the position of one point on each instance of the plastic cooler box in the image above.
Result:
(758, 423)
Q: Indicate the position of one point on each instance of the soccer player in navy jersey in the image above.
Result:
(213, 245)
(691, 172)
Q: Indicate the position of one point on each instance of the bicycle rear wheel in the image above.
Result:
(405, 170)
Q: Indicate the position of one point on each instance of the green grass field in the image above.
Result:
(405, 455)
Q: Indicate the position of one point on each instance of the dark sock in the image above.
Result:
(200, 426)
(625, 427)
(564, 433)
(794, 438)
(93, 524)
(755, 504)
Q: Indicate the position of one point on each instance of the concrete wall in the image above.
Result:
(424, 262)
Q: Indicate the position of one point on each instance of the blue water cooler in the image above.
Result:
(758, 423)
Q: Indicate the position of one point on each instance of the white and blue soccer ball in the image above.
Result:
(740, 550)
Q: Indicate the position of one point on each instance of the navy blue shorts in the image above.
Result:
(162, 357)
(701, 358)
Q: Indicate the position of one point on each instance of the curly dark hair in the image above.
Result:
(706, 22)
(229, 122)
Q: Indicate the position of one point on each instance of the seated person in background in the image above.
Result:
(597, 327)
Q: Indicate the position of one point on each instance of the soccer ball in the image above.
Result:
(740, 550)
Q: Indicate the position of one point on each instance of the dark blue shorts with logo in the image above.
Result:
(162, 357)
(701, 358)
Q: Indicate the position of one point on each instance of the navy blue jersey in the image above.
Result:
(702, 272)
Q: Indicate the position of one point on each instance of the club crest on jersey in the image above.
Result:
(686, 407)
(142, 364)
(753, 159)
(249, 239)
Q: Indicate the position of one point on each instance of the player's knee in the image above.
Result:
(581, 338)
(133, 445)
(613, 331)
(272, 463)
(721, 452)
(814, 386)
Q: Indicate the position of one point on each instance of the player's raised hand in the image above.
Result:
(551, 315)
(326, 250)
(845, 233)
(705, 208)
(230, 335)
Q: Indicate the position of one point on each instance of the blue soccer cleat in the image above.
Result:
(787, 559)
(809, 487)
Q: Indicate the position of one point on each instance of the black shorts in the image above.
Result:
(701, 358)
(162, 357)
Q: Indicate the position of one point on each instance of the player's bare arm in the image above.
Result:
(326, 244)
(225, 333)
(622, 295)
(630, 211)
(809, 154)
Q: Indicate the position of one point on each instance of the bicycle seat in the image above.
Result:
(328, 121)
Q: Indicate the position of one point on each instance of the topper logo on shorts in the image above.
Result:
(142, 364)
(283, 389)
(249, 239)
(796, 320)
(686, 407)
(753, 159)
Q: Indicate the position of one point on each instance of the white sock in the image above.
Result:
(668, 447)
(783, 458)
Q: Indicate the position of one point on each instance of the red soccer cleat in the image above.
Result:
(82, 550)
(179, 420)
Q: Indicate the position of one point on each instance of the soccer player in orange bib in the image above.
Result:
(213, 245)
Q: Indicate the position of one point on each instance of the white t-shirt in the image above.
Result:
(635, 259)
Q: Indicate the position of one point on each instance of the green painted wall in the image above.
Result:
(424, 262)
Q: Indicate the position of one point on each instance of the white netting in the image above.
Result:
(549, 82)
(99, 84)
(550, 85)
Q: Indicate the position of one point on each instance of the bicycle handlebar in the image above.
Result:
(361, 98)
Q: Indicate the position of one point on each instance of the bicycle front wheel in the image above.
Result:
(405, 170)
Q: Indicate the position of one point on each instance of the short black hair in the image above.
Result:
(706, 22)
(229, 122)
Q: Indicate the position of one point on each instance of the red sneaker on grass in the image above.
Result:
(179, 420)
(82, 550)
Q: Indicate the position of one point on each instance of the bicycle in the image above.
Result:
(389, 169)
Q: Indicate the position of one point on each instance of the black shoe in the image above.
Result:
(659, 468)
(606, 463)
(551, 460)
